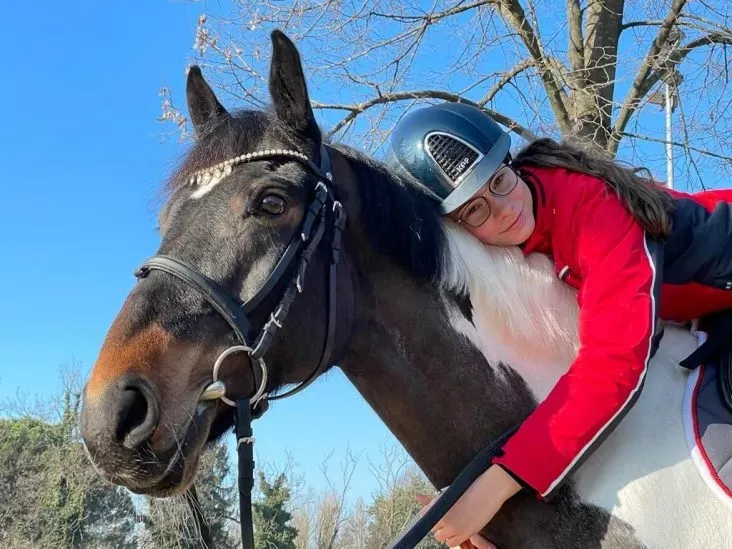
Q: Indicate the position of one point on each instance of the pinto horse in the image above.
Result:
(451, 342)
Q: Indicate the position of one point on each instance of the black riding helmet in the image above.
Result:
(452, 149)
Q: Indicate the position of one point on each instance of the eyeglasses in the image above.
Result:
(478, 210)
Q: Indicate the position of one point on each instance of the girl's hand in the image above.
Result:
(479, 542)
(475, 508)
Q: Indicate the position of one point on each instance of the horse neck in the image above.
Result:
(430, 372)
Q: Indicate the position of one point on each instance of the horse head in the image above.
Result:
(230, 218)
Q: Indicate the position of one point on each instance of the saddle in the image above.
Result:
(708, 404)
(716, 351)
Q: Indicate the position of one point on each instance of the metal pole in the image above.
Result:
(669, 147)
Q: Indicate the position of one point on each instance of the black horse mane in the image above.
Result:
(402, 222)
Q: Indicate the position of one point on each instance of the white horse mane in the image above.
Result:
(522, 313)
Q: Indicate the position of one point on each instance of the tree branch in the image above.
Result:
(505, 79)
(359, 108)
(632, 24)
(422, 22)
(576, 41)
(595, 82)
(676, 56)
(673, 60)
(678, 144)
(514, 15)
(634, 94)
(433, 18)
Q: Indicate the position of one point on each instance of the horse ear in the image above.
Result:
(203, 106)
(288, 89)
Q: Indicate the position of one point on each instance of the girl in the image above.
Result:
(634, 250)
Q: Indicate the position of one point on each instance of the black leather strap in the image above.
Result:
(245, 453)
(339, 223)
(211, 291)
(286, 262)
(725, 380)
(277, 317)
(420, 526)
(717, 351)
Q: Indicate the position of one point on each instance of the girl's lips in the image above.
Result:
(515, 221)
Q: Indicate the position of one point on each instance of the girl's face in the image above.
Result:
(501, 212)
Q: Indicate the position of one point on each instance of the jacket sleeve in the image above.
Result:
(618, 300)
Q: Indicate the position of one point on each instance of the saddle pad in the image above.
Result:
(708, 428)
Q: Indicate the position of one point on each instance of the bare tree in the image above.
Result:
(329, 519)
(395, 503)
(169, 523)
(586, 70)
(356, 530)
(321, 515)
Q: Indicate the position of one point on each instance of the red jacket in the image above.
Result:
(599, 248)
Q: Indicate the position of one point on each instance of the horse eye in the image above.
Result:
(273, 204)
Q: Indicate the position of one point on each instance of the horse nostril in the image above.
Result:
(137, 414)
(132, 413)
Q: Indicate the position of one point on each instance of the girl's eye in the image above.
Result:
(273, 204)
(499, 183)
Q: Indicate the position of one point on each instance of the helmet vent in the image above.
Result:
(453, 156)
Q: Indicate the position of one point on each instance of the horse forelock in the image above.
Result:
(242, 132)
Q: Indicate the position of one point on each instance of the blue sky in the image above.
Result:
(82, 157)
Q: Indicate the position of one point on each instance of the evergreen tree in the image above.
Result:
(218, 496)
(272, 528)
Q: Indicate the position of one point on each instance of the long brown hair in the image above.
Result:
(646, 201)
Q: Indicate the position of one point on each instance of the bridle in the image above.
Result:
(286, 279)
(324, 213)
(268, 308)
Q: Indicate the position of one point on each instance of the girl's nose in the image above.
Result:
(501, 207)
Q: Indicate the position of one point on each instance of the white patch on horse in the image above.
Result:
(523, 315)
(207, 186)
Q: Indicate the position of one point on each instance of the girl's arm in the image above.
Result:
(620, 267)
